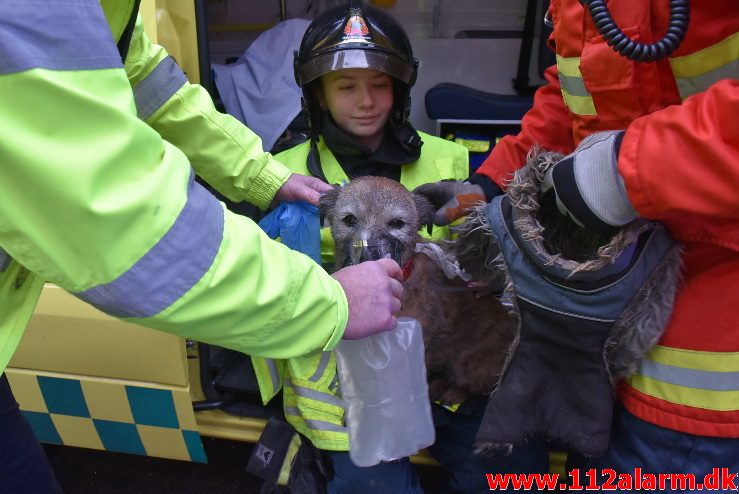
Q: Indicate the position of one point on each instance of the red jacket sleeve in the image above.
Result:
(546, 124)
(685, 158)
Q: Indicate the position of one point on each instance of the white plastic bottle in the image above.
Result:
(383, 383)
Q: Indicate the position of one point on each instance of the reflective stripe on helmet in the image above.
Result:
(355, 59)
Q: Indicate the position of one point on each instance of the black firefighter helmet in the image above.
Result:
(356, 36)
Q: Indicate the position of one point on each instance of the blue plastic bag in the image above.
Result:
(298, 224)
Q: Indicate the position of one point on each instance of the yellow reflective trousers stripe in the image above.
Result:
(690, 378)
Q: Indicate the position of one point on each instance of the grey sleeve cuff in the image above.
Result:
(598, 180)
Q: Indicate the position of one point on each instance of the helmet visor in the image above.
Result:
(355, 59)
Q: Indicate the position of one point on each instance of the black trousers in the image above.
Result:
(24, 467)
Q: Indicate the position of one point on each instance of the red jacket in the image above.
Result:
(680, 163)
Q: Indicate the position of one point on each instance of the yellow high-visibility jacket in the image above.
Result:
(97, 166)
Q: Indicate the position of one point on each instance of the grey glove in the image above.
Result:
(588, 187)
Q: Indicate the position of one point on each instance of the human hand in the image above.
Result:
(302, 188)
(373, 291)
(452, 199)
(588, 187)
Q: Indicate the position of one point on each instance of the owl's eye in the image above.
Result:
(396, 223)
(349, 220)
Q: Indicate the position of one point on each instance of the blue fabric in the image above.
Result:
(23, 464)
(449, 100)
(298, 225)
(454, 450)
(395, 477)
(653, 449)
(604, 298)
(55, 35)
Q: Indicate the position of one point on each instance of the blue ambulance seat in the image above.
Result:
(455, 101)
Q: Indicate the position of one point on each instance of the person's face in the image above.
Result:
(359, 101)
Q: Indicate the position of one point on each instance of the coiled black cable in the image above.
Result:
(633, 50)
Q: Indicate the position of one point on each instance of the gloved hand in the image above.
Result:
(373, 291)
(588, 187)
(301, 188)
(452, 199)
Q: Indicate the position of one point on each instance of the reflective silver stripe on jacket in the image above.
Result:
(573, 85)
(158, 87)
(316, 425)
(274, 376)
(172, 267)
(313, 394)
(691, 378)
(321, 367)
(574, 93)
(696, 72)
(689, 86)
(55, 35)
